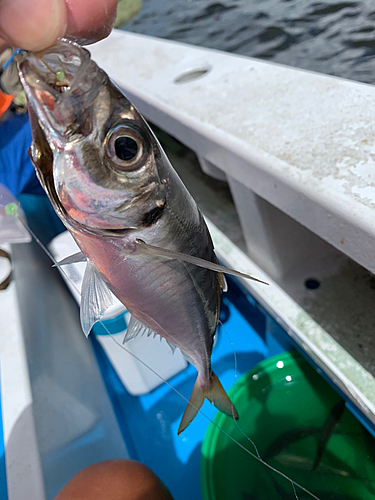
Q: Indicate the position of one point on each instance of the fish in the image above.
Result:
(138, 228)
(323, 435)
(327, 430)
(288, 438)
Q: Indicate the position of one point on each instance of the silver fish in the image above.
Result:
(137, 226)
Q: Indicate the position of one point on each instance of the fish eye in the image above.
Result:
(124, 146)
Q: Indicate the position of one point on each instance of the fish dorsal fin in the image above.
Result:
(136, 328)
(72, 259)
(95, 298)
(146, 249)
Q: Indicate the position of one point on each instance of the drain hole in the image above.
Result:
(312, 284)
(191, 75)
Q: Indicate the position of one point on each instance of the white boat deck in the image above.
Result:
(24, 474)
(333, 324)
(297, 150)
(55, 407)
(305, 142)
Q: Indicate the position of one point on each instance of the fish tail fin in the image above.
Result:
(193, 407)
(215, 393)
(220, 399)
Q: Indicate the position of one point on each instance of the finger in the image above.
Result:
(90, 20)
(32, 24)
(3, 45)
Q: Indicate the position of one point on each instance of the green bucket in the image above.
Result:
(300, 426)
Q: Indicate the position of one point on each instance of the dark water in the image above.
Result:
(333, 37)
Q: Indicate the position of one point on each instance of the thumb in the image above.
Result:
(32, 24)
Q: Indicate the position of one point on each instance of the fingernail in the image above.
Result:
(32, 24)
(90, 24)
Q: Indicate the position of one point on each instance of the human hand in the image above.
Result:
(36, 24)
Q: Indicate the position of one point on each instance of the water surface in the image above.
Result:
(333, 37)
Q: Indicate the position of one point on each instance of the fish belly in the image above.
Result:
(177, 300)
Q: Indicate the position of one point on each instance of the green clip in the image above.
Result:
(11, 209)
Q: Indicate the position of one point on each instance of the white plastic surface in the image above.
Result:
(11, 229)
(155, 352)
(286, 139)
(301, 140)
(24, 474)
(347, 373)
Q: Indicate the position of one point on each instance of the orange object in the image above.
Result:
(5, 102)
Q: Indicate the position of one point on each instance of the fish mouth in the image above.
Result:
(61, 84)
(54, 69)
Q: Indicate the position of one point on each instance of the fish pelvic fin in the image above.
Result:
(215, 393)
(95, 298)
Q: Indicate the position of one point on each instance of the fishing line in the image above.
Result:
(234, 391)
(294, 491)
(256, 457)
(10, 60)
(293, 483)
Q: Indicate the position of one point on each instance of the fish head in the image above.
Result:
(94, 154)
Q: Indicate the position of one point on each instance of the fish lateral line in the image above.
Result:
(152, 250)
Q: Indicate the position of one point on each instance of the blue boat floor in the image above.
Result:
(149, 422)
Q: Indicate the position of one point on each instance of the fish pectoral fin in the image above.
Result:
(72, 259)
(147, 249)
(136, 328)
(215, 393)
(95, 298)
